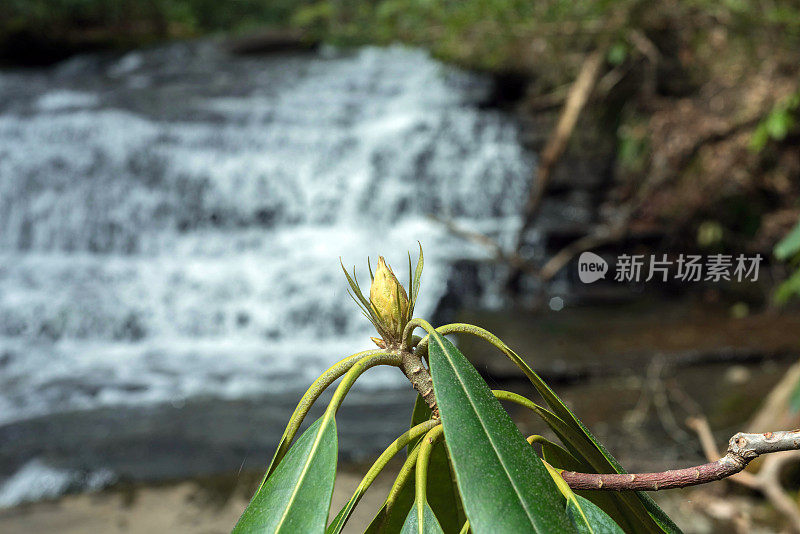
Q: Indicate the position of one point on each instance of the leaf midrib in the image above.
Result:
(303, 473)
(485, 431)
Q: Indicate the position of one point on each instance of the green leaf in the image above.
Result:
(417, 279)
(443, 494)
(778, 124)
(428, 524)
(297, 496)
(617, 53)
(759, 139)
(794, 399)
(391, 516)
(588, 518)
(556, 456)
(503, 484)
(789, 245)
(392, 519)
(338, 523)
(563, 459)
(641, 513)
(789, 288)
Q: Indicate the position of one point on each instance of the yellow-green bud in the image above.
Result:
(390, 300)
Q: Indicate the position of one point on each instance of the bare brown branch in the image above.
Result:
(577, 97)
(767, 480)
(742, 449)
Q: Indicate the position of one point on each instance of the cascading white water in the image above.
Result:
(171, 221)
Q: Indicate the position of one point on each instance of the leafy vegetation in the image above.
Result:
(468, 469)
(778, 124)
(700, 96)
(789, 250)
(54, 28)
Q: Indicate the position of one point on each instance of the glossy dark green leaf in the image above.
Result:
(573, 460)
(297, 496)
(338, 523)
(556, 456)
(443, 496)
(389, 520)
(427, 524)
(641, 513)
(503, 484)
(789, 245)
(588, 518)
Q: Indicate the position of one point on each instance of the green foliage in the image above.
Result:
(443, 494)
(789, 246)
(788, 249)
(777, 124)
(482, 439)
(794, 399)
(297, 496)
(588, 518)
(481, 477)
(633, 148)
(76, 23)
(617, 53)
(392, 516)
(426, 525)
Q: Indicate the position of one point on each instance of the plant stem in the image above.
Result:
(327, 378)
(420, 379)
(367, 362)
(408, 332)
(396, 446)
(742, 449)
(402, 477)
(425, 449)
(413, 366)
(390, 452)
(464, 328)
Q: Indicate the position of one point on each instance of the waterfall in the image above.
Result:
(171, 221)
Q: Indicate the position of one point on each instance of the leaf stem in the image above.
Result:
(390, 452)
(408, 332)
(574, 441)
(367, 362)
(464, 328)
(402, 477)
(425, 449)
(333, 373)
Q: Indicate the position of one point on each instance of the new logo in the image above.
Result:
(591, 267)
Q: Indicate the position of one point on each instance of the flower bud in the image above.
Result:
(390, 301)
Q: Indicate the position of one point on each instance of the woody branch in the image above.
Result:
(742, 449)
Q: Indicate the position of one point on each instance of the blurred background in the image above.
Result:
(179, 178)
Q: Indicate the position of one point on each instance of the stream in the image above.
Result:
(171, 223)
